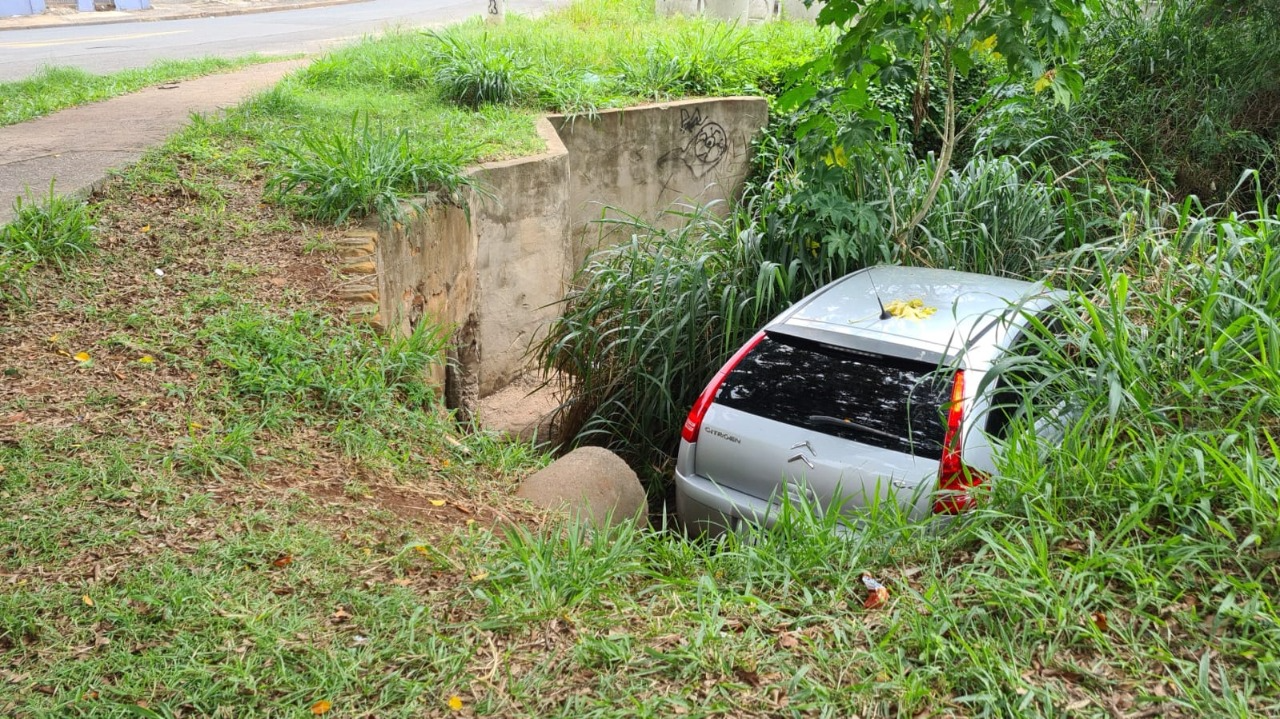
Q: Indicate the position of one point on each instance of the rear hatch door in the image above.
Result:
(798, 417)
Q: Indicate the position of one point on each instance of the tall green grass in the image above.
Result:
(646, 322)
(365, 170)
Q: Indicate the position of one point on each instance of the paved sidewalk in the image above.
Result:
(81, 145)
(160, 10)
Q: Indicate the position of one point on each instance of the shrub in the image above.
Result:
(365, 169)
(1187, 91)
(54, 229)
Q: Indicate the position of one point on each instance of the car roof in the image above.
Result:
(965, 304)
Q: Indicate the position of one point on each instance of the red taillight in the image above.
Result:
(954, 478)
(693, 423)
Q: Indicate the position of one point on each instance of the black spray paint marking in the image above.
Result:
(705, 150)
(689, 121)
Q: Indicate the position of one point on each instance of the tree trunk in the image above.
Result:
(944, 161)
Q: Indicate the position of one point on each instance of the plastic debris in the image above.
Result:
(909, 309)
(877, 593)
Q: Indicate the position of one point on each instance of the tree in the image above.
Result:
(891, 40)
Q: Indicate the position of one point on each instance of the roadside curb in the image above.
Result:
(41, 23)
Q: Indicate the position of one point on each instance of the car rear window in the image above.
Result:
(881, 401)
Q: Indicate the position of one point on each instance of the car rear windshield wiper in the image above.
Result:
(828, 419)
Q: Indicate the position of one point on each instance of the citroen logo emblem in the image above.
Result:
(806, 445)
(799, 456)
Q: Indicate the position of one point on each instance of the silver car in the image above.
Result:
(869, 390)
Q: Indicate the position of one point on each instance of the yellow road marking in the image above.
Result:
(78, 41)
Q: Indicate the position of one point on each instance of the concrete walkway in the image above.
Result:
(77, 148)
(80, 146)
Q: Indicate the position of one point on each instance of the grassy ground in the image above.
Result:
(471, 92)
(219, 499)
(206, 471)
(58, 88)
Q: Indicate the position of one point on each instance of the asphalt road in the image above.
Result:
(109, 48)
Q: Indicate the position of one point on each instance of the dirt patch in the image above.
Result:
(524, 410)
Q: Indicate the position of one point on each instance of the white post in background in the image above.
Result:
(495, 11)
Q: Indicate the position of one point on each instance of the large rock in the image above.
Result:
(592, 483)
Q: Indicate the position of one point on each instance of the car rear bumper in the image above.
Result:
(705, 507)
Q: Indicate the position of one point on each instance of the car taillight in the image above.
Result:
(955, 479)
(693, 423)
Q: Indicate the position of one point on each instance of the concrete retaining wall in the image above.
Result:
(21, 7)
(523, 236)
(495, 278)
(744, 11)
(645, 161)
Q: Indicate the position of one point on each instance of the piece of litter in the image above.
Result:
(877, 593)
(909, 309)
(159, 272)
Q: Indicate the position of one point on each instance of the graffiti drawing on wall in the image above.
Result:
(690, 121)
(493, 7)
(705, 149)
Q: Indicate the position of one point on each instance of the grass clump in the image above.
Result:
(336, 175)
(54, 229)
(472, 72)
(306, 365)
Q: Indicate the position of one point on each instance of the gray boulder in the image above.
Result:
(592, 483)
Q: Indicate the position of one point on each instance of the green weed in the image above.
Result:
(305, 365)
(474, 71)
(364, 170)
(13, 273)
(54, 228)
